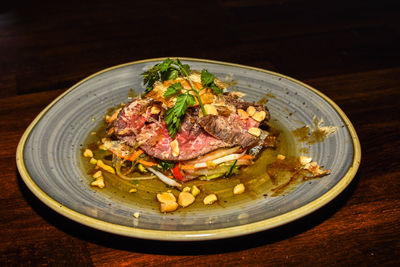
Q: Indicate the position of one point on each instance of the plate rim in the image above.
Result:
(196, 235)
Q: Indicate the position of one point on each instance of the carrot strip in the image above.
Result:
(247, 157)
(147, 163)
(131, 157)
(187, 167)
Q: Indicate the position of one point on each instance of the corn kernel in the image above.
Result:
(251, 110)
(88, 153)
(238, 189)
(242, 114)
(175, 148)
(185, 199)
(255, 131)
(210, 199)
(195, 190)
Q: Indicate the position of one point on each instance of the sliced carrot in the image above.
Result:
(187, 167)
(247, 157)
(147, 163)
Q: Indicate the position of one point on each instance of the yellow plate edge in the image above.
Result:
(201, 234)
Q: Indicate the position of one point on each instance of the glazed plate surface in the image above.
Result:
(49, 160)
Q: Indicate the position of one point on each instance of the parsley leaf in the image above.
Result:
(174, 114)
(207, 80)
(173, 89)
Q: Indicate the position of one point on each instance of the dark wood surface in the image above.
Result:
(349, 50)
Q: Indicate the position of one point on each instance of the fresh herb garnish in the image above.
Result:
(165, 165)
(170, 69)
(229, 173)
(207, 80)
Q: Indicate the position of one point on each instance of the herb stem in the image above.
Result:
(193, 88)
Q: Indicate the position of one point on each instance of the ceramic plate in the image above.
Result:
(49, 161)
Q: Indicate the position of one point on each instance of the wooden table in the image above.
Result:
(349, 51)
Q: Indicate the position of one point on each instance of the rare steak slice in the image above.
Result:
(231, 129)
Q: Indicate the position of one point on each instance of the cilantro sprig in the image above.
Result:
(170, 69)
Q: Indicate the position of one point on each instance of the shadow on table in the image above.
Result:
(188, 248)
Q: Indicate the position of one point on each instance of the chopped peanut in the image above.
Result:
(168, 206)
(132, 190)
(304, 160)
(210, 199)
(185, 199)
(105, 167)
(251, 110)
(102, 147)
(175, 148)
(155, 110)
(136, 215)
(280, 157)
(166, 197)
(259, 116)
(242, 114)
(186, 189)
(210, 109)
(99, 182)
(238, 189)
(255, 131)
(88, 153)
(195, 190)
(97, 174)
(93, 161)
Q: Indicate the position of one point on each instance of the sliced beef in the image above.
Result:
(229, 129)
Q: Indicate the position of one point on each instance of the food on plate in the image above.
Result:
(186, 126)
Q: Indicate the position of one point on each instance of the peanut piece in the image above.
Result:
(280, 157)
(304, 160)
(168, 206)
(155, 110)
(242, 114)
(136, 215)
(185, 199)
(255, 131)
(88, 153)
(105, 167)
(99, 182)
(238, 189)
(186, 189)
(259, 116)
(251, 110)
(166, 197)
(195, 190)
(97, 174)
(132, 190)
(210, 109)
(175, 148)
(210, 199)
(93, 161)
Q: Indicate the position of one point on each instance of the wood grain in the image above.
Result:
(348, 51)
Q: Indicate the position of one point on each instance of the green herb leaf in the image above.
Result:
(166, 165)
(207, 80)
(173, 89)
(174, 114)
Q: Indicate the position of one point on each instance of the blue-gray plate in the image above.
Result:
(49, 156)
